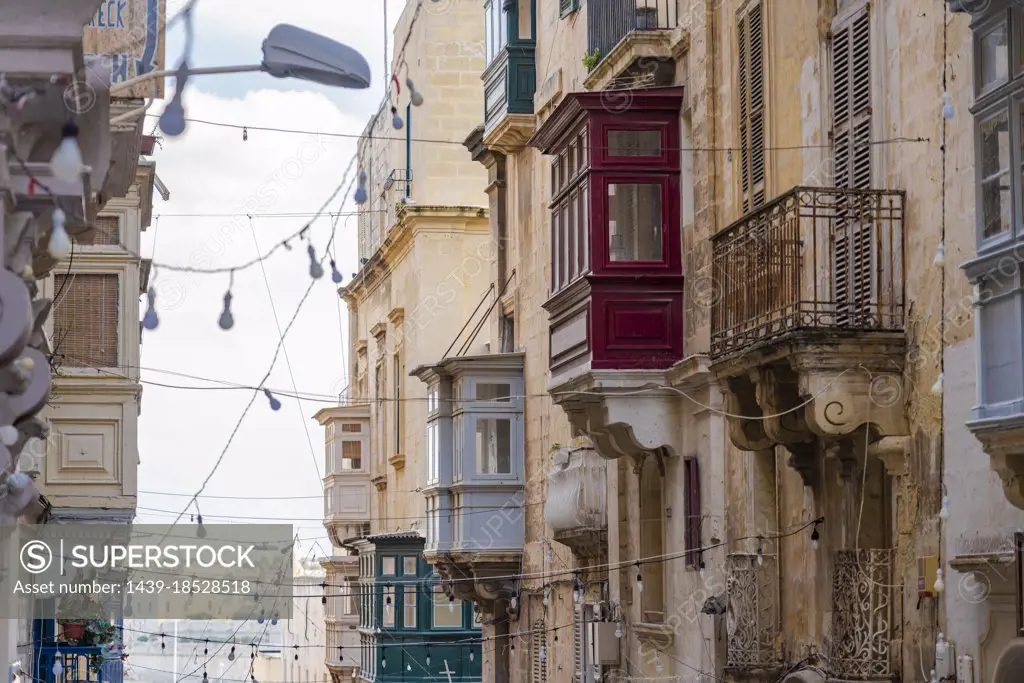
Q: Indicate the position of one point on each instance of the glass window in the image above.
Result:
(457, 450)
(409, 566)
(409, 607)
(488, 391)
(389, 606)
(432, 401)
(994, 55)
(634, 221)
(447, 612)
(634, 143)
(994, 144)
(351, 455)
(387, 566)
(433, 454)
(352, 428)
(494, 445)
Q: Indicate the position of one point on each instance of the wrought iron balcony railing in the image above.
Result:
(752, 615)
(79, 664)
(812, 259)
(609, 21)
(863, 619)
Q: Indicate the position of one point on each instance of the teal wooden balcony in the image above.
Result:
(510, 79)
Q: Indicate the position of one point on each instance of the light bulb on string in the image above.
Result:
(618, 629)
(206, 648)
(383, 660)
(205, 677)
(408, 667)
(657, 664)
(150, 321)
(260, 619)
(323, 600)
(245, 134)
(200, 529)
(428, 656)
(275, 405)
(937, 387)
(172, 119)
(316, 271)
(227, 320)
(396, 120)
(415, 98)
(940, 254)
(471, 656)
(163, 642)
(58, 665)
(940, 584)
(335, 274)
(8, 435)
(543, 652)
(701, 567)
(639, 579)
(815, 537)
(273, 620)
(451, 604)
(360, 195)
(548, 553)
(341, 653)
(760, 552)
(66, 163)
(947, 106)
(547, 598)
(513, 603)
(231, 654)
(60, 242)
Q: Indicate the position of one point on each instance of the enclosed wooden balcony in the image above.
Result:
(808, 301)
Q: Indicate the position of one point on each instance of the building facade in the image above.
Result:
(304, 651)
(721, 422)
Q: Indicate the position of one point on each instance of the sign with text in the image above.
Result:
(131, 33)
(90, 572)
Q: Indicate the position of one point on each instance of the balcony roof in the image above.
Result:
(355, 411)
(459, 365)
(569, 110)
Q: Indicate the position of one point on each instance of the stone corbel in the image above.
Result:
(844, 400)
(747, 434)
(892, 451)
(778, 396)
(1009, 465)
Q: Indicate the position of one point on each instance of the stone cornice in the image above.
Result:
(93, 386)
(411, 221)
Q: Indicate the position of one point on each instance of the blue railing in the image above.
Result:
(81, 664)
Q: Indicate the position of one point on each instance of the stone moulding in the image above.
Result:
(1003, 440)
(813, 393)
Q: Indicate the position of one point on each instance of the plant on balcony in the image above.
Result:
(83, 621)
(590, 59)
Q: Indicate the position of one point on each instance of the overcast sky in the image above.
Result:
(211, 170)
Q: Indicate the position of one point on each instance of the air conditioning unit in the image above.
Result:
(604, 646)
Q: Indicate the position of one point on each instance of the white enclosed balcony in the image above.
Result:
(577, 502)
(347, 475)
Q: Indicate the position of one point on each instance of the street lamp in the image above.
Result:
(289, 52)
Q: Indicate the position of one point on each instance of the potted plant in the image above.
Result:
(81, 618)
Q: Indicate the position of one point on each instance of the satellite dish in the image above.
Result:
(292, 52)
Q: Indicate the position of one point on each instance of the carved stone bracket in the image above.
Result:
(892, 451)
(480, 577)
(624, 412)
(1003, 440)
(511, 133)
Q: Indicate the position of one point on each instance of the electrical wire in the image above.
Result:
(460, 143)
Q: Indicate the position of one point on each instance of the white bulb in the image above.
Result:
(937, 387)
(702, 573)
(815, 544)
(940, 254)
(451, 605)
(8, 435)
(19, 481)
(944, 510)
(26, 363)
(514, 602)
(618, 630)
(940, 585)
(58, 667)
(66, 162)
(543, 652)
(546, 599)
(27, 273)
(760, 557)
(947, 106)
(657, 665)
(60, 241)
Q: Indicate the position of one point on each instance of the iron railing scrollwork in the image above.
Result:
(863, 619)
(814, 258)
(752, 611)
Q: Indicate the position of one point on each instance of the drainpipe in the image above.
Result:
(408, 149)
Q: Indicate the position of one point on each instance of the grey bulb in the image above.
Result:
(316, 271)
(227, 321)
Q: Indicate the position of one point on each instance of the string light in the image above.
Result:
(150, 321)
(657, 663)
(231, 654)
(639, 579)
(227, 320)
(360, 195)
(937, 387)
(760, 552)
(66, 163)
(396, 120)
(245, 134)
(415, 98)
(940, 254)
(316, 271)
(471, 657)
(451, 603)
(947, 106)
(206, 649)
(428, 655)
(383, 659)
(200, 529)
(701, 567)
(60, 242)
(58, 665)
(618, 629)
(944, 509)
(940, 584)
(547, 593)
(335, 273)
(275, 405)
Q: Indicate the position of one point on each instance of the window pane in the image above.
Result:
(493, 392)
(494, 445)
(389, 604)
(584, 227)
(634, 143)
(572, 248)
(354, 428)
(409, 566)
(634, 222)
(994, 56)
(489, 29)
(351, 455)
(387, 566)
(447, 612)
(409, 607)
(433, 468)
(995, 180)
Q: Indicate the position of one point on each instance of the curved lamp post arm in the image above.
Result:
(202, 71)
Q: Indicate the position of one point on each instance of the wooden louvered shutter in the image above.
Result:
(538, 645)
(567, 7)
(85, 319)
(751, 96)
(693, 512)
(851, 141)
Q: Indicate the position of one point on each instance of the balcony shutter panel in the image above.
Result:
(85, 320)
(853, 256)
(567, 7)
(538, 640)
(577, 645)
(107, 231)
(693, 511)
(751, 96)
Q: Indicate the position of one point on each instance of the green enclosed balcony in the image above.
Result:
(510, 79)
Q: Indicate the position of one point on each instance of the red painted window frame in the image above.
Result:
(671, 247)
